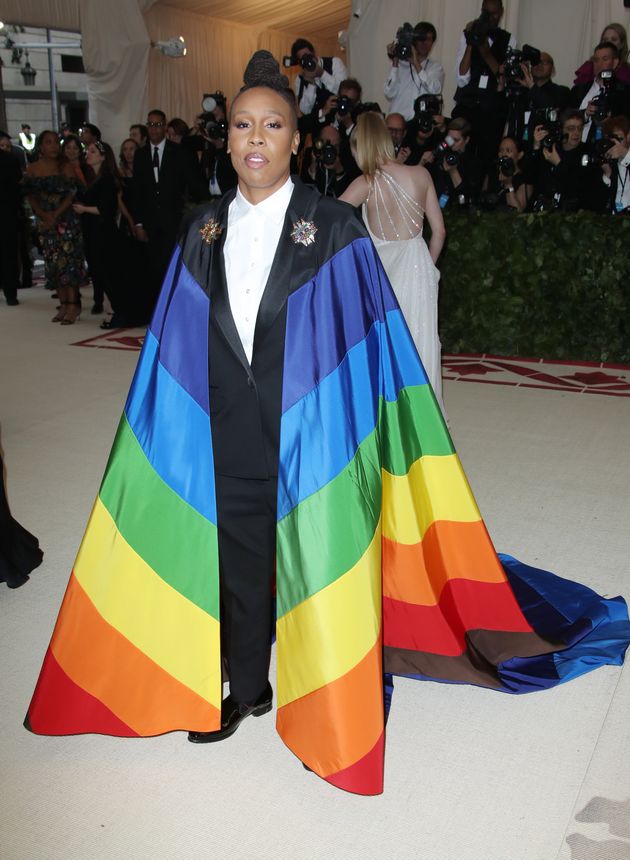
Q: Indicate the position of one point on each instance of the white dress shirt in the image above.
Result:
(328, 81)
(464, 80)
(622, 200)
(160, 149)
(253, 233)
(595, 90)
(405, 84)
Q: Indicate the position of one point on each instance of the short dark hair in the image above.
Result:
(620, 123)
(158, 112)
(93, 129)
(351, 84)
(144, 131)
(4, 135)
(608, 46)
(179, 126)
(571, 113)
(460, 124)
(298, 45)
(428, 27)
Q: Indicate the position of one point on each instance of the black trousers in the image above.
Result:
(246, 513)
(9, 256)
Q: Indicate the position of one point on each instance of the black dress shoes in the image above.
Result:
(232, 715)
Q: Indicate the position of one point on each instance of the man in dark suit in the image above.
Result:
(605, 96)
(10, 177)
(163, 173)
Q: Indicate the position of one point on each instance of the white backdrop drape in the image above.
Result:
(125, 76)
(567, 29)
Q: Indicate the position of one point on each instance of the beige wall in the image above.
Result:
(568, 29)
(218, 52)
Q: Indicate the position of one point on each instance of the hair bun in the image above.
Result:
(263, 71)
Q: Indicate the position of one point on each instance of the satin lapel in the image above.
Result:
(285, 274)
(219, 299)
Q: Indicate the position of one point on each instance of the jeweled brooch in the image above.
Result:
(303, 232)
(211, 230)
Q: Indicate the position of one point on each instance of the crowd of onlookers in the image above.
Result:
(516, 141)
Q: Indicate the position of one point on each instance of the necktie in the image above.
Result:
(156, 159)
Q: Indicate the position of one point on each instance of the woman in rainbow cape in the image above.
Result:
(383, 563)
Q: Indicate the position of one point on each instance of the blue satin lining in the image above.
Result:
(331, 313)
(346, 404)
(173, 430)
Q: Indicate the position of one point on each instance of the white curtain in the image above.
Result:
(218, 52)
(567, 29)
(115, 54)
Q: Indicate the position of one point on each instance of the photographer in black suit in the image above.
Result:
(606, 96)
(563, 170)
(482, 52)
(163, 173)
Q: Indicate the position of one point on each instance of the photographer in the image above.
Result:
(456, 171)
(605, 96)
(397, 128)
(616, 167)
(323, 164)
(481, 53)
(209, 139)
(413, 73)
(426, 130)
(563, 170)
(317, 84)
(532, 96)
(506, 189)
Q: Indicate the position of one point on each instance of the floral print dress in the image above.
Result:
(62, 245)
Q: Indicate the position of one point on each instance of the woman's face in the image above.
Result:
(128, 151)
(49, 146)
(72, 151)
(172, 135)
(262, 136)
(94, 157)
(5, 144)
(613, 36)
(508, 149)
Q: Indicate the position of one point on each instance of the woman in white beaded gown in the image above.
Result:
(395, 200)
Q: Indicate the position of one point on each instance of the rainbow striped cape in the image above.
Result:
(384, 565)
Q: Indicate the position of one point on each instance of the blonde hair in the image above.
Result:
(620, 30)
(371, 142)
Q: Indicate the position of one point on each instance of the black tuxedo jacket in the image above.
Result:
(158, 206)
(619, 97)
(246, 400)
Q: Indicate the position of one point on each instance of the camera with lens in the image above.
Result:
(507, 165)
(308, 62)
(345, 105)
(425, 108)
(478, 33)
(325, 152)
(403, 43)
(444, 152)
(513, 61)
(216, 130)
(602, 101)
(553, 136)
(600, 148)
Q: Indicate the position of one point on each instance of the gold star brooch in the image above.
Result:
(303, 232)
(211, 230)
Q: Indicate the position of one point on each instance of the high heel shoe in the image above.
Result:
(60, 315)
(71, 317)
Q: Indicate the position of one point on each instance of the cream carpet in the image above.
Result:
(470, 774)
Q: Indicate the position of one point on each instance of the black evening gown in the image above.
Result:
(19, 549)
